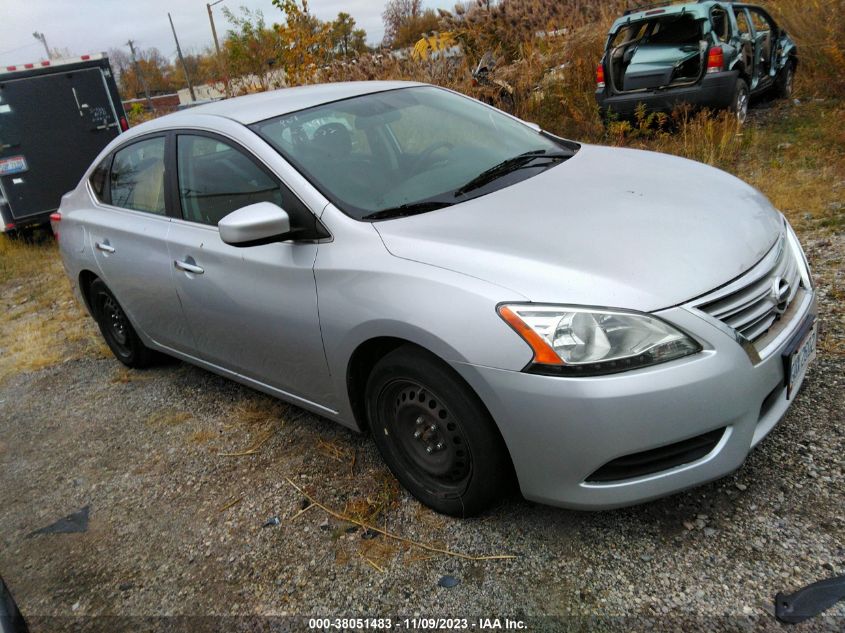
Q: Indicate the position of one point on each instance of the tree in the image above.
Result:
(358, 43)
(342, 29)
(307, 41)
(251, 48)
(414, 28)
(396, 14)
(346, 39)
(159, 73)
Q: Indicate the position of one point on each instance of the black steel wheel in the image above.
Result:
(116, 329)
(435, 435)
(428, 438)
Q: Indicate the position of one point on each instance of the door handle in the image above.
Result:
(188, 268)
(104, 246)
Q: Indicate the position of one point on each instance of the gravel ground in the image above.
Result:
(176, 527)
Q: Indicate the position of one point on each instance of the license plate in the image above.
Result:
(798, 361)
(12, 165)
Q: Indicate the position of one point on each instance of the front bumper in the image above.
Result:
(715, 91)
(560, 430)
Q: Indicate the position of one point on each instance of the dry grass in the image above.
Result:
(817, 26)
(260, 418)
(42, 323)
(168, 417)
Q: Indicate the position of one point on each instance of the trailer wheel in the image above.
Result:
(741, 99)
(116, 329)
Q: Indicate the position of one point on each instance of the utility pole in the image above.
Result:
(208, 6)
(211, 19)
(182, 59)
(43, 39)
(140, 75)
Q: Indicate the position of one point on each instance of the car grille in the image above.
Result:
(752, 304)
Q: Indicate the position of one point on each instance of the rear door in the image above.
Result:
(251, 310)
(51, 128)
(128, 233)
(747, 53)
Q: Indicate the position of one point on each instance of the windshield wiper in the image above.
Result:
(508, 166)
(403, 210)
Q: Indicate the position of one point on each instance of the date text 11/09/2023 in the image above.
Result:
(416, 624)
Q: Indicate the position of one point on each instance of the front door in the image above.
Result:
(251, 310)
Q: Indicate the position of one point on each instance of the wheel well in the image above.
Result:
(742, 74)
(361, 364)
(86, 278)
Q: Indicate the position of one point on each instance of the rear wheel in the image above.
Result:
(784, 81)
(435, 435)
(741, 99)
(116, 329)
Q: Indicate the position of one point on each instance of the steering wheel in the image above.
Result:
(428, 151)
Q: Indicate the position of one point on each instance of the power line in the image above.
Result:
(12, 50)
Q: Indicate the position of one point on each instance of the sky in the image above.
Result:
(92, 26)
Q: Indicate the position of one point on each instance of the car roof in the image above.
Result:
(697, 9)
(264, 105)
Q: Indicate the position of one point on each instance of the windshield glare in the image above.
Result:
(401, 147)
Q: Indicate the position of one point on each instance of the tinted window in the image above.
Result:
(98, 178)
(137, 177)
(216, 179)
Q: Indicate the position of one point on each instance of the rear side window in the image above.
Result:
(761, 23)
(137, 177)
(742, 22)
(721, 24)
(98, 179)
(216, 179)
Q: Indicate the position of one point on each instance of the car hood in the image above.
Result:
(611, 227)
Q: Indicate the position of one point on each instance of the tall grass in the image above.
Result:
(818, 28)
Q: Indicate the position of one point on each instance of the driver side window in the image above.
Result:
(216, 179)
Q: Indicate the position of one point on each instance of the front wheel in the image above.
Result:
(435, 435)
(741, 99)
(116, 329)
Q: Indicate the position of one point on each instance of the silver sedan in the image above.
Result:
(495, 304)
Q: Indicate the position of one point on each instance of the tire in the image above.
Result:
(741, 99)
(435, 435)
(116, 329)
(783, 83)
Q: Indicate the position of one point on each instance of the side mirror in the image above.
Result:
(534, 126)
(259, 223)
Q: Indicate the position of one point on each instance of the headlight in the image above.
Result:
(591, 341)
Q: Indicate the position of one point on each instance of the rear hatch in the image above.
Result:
(657, 52)
(654, 66)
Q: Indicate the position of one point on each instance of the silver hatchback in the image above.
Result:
(493, 303)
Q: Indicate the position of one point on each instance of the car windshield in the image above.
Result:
(409, 150)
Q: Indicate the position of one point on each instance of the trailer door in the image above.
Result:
(51, 129)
